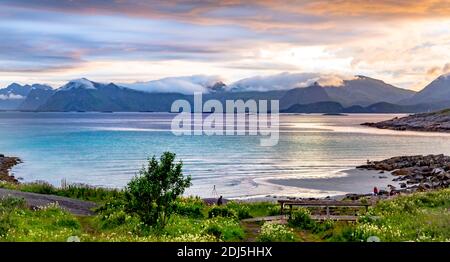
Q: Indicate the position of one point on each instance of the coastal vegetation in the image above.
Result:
(420, 216)
(121, 215)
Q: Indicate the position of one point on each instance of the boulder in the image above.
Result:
(418, 177)
(401, 172)
(438, 171)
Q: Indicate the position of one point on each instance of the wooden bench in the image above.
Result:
(324, 204)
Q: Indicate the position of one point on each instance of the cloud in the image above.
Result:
(446, 68)
(326, 80)
(394, 40)
(11, 97)
(285, 81)
(183, 84)
(260, 14)
(436, 70)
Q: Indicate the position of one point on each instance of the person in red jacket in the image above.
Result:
(375, 191)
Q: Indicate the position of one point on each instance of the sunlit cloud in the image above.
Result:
(285, 81)
(405, 43)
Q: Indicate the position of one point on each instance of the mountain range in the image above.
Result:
(360, 94)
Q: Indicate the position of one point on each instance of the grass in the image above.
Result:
(48, 223)
(416, 217)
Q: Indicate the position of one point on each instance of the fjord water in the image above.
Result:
(107, 149)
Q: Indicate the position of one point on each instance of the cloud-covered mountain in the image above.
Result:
(182, 85)
(286, 81)
(37, 97)
(358, 90)
(437, 92)
(13, 95)
(296, 92)
(86, 95)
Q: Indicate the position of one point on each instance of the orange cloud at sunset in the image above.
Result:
(405, 43)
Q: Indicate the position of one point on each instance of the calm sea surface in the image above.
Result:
(107, 150)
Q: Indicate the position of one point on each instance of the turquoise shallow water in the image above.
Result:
(107, 149)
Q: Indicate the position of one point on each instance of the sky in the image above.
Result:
(404, 43)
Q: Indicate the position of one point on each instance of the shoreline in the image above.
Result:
(401, 174)
(423, 122)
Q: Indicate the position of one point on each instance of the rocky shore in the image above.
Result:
(430, 122)
(6, 163)
(416, 173)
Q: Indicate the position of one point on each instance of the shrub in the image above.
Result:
(325, 225)
(271, 232)
(242, 211)
(190, 207)
(301, 218)
(226, 229)
(221, 211)
(39, 187)
(113, 215)
(214, 230)
(274, 210)
(152, 194)
(7, 207)
(91, 193)
(232, 209)
(115, 219)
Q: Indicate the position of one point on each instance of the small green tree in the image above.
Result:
(152, 194)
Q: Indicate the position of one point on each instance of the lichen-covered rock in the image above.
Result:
(419, 172)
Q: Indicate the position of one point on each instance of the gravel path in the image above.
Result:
(74, 206)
